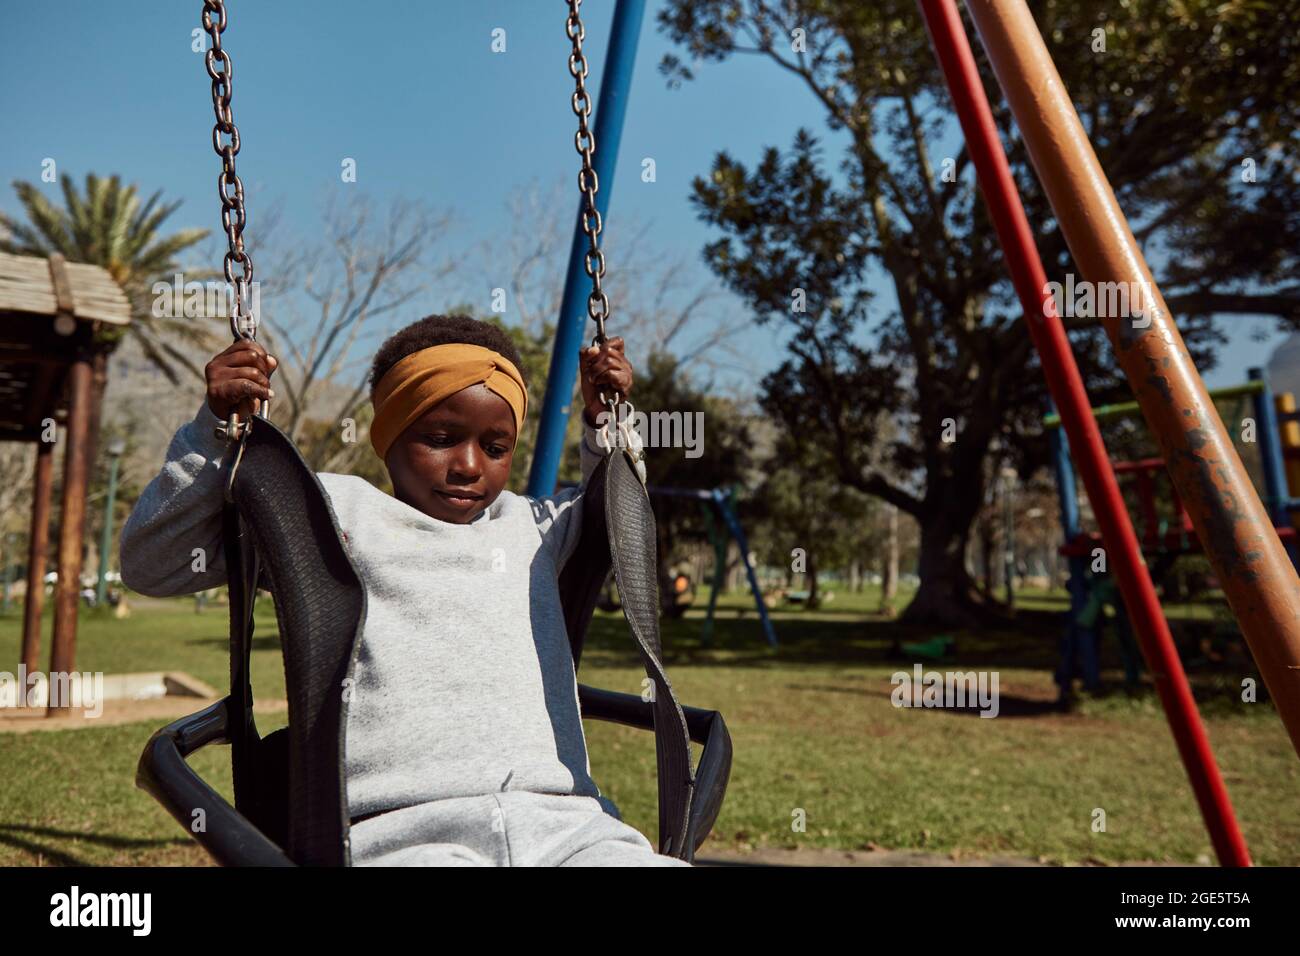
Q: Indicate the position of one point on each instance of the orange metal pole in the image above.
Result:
(1238, 537)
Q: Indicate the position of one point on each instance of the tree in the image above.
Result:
(367, 268)
(695, 439)
(814, 523)
(1173, 106)
(668, 312)
(109, 226)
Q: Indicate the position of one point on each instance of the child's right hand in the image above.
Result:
(239, 379)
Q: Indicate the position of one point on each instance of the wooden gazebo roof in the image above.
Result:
(48, 309)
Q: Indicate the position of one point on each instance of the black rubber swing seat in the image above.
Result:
(290, 790)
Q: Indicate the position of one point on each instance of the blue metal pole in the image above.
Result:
(611, 108)
(724, 500)
(1268, 433)
(1270, 450)
(1077, 639)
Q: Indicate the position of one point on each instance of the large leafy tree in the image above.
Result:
(909, 364)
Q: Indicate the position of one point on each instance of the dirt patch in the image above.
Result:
(161, 709)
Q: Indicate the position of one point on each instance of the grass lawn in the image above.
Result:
(815, 734)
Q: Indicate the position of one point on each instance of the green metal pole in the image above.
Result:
(1126, 409)
(106, 542)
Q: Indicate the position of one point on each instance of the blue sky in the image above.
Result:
(412, 91)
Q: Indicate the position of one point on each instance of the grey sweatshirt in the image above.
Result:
(464, 683)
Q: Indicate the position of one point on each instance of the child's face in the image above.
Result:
(454, 460)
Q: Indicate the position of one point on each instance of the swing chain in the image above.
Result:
(585, 142)
(243, 324)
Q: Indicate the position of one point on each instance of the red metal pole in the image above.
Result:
(952, 48)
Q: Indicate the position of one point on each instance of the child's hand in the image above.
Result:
(603, 369)
(239, 379)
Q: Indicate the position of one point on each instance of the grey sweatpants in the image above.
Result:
(511, 828)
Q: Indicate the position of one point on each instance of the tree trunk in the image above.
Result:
(98, 385)
(855, 576)
(987, 564)
(735, 567)
(94, 521)
(810, 581)
(947, 596)
(889, 574)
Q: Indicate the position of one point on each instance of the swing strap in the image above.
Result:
(280, 519)
(632, 545)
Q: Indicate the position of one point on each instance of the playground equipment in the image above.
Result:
(719, 505)
(1164, 538)
(611, 109)
(1259, 580)
(49, 309)
(291, 802)
(722, 504)
(1261, 583)
(1237, 535)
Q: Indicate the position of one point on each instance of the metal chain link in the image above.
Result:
(585, 142)
(243, 324)
(594, 261)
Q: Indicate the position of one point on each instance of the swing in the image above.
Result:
(290, 791)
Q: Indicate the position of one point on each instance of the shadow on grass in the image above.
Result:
(1008, 705)
(12, 835)
(263, 642)
(1028, 641)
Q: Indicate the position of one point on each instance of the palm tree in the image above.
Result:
(108, 226)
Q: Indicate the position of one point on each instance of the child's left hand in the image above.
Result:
(603, 369)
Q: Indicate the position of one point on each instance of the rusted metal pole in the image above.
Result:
(72, 524)
(952, 49)
(38, 538)
(1234, 529)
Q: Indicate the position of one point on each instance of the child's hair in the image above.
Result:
(441, 330)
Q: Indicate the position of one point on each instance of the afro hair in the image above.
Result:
(442, 330)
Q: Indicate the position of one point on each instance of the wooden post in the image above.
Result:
(72, 524)
(1235, 530)
(38, 538)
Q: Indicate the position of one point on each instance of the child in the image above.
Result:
(464, 742)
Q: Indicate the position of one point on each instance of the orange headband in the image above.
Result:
(423, 379)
